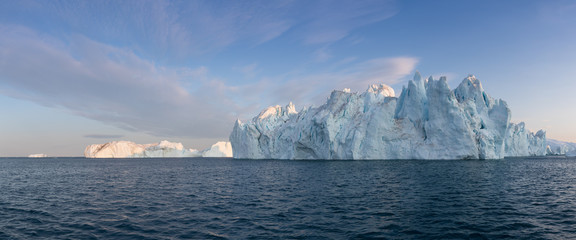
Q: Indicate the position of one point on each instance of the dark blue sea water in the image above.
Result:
(196, 198)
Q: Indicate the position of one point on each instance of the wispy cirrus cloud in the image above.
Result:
(334, 20)
(111, 85)
(117, 87)
(314, 88)
(169, 30)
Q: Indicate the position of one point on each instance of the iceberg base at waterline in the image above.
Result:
(163, 149)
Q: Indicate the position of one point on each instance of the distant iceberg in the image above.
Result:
(427, 121)
(163, 149)
(556, 147)
(38, 155)
(219, 149)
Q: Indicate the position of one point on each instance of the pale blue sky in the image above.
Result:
(73, 73)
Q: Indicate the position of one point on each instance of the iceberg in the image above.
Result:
(38, 155)
(116, 149)
(163, 149)
(427, 121)
(556, 147)
(219, 149)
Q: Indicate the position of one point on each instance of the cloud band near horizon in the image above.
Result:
(117, 87)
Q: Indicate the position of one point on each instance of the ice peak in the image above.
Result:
(443, 79)
(470, 89)
(278, 111)
(417, 76)
(381, 89)
(472, 80)
(167, 145)
(469, 86)
(270, 111)
(291, 109)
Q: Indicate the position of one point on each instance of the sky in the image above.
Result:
(74, 73)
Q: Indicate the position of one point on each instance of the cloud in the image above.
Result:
(174, 30)
(160, 29)
(117, 87)
(313, 88)
(334, 20)
(103, 136)
(111, 85)
(321, 21)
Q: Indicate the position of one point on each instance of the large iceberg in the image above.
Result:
(427, 121)
(163, 149)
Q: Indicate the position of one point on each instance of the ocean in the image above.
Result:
(205, 198)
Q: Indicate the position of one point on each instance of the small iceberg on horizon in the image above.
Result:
(37, 155)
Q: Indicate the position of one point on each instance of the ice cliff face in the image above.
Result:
(427, 121)
(126, 149)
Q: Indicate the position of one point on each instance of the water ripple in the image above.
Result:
(243, 199)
